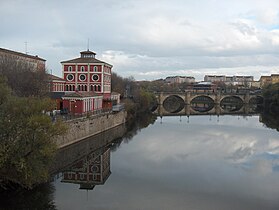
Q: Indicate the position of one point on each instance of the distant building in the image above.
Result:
(179, 79)
(56, 84)
(230, 80)
(274, 78)
(256, 84)
(266, 80)
(35, 62)
(202, 87)
(243, 80)
(215, 78)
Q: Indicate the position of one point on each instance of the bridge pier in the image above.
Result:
(246, 98)
(217, 99)
(188, 98)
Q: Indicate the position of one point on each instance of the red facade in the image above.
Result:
(79, 103)
(87, 74)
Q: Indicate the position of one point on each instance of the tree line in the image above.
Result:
(137, 97)
(26, 133)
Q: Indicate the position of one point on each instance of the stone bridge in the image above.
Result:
(205, 103)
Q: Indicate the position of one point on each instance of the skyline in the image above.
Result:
(149, 40)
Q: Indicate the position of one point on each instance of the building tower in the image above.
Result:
(87, 74)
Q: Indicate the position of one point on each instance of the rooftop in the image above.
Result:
(21, 54)
(85, 57)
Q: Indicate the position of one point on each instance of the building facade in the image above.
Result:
(80, 103)
(87, 74)
(35, 62)
(266, 80)
(56, 84)
(230, 80)
(179, 79)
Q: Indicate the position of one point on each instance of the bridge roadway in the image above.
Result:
(186, 99)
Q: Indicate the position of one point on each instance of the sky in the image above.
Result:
(146, 39)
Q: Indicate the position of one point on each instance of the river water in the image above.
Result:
(201, 162)
(196, 163)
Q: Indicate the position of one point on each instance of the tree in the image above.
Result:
(23, 79)
(26, 139)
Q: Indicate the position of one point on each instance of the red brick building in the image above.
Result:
(87, 74)
(79, 103)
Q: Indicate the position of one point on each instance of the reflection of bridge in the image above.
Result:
(216, 110)
(190, 103)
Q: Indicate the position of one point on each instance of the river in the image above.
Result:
(198, 162)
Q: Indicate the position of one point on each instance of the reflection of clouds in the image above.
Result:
(261, 167)
(241, 153)
(208, 147)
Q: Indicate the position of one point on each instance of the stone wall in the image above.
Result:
(82, 128)
(70, 154)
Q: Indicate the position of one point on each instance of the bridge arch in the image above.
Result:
(202, 103)
(256, 100)
(173, 104)
(231, 103)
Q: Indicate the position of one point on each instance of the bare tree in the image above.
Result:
(22, 78)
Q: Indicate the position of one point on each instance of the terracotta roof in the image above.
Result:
(21, 54)
(53, 77)
(83, 60)
(81, 94)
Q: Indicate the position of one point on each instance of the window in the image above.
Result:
(82, 68)
(95, 68)
(82, 77)
(70, 77)
(70, 68)
(95, 77)
(99, 88)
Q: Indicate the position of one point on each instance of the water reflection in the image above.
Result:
(270, 119)
(208, 163)
(41, 197)
(90, 171)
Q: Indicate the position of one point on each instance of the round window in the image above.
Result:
(82, 77)
(70, 77)
(95, 77)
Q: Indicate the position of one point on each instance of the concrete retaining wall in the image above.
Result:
(79, 129)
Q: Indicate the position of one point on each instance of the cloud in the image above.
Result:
(143, 38)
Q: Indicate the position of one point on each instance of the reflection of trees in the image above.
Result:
(270, 119)
(41, 197)
(133, 127)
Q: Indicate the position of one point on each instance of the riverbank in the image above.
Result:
(81, 128)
